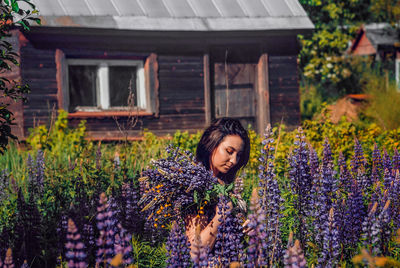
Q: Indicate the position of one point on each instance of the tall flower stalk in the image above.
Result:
(270, 199)
(300, 184)
(257, 249)
(178, 246)
(75, 249)
(294, 256)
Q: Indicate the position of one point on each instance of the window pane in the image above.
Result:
(122, 80)
(82, 86)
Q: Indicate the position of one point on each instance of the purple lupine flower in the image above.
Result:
(75, 249)
(396, 160)
(354, 215)
(131, 218)
(106, 224)
(200, 251)
(381, 231)
(257, 249)
(377, 164)
(28, 226)
(31, 169)
(328, 182)
(300, 183)
(24, 265)
(174, 185)
(294, 256)
(89, 234)
(331, 248)
(8, 260)
(377, 161)
(387, 178)
(61, 230)
(40, 166)
(358, 160)
(178, 247)
(323, 192)
(228, 245)
(367, 226)
(345, 177)
(318, 205)
(387, 162)
(394, 198)
(270, 198)
(36, 173)
(358, 163)
(340, 220)
(122, 245)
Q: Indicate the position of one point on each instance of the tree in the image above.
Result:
(322, 57)
(386, 11)
(13, 14)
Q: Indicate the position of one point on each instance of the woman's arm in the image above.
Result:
(208, 232)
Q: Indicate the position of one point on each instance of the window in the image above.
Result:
(96, 85)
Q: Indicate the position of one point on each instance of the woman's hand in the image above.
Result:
(246, 228)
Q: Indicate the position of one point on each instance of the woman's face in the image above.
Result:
(227, 154)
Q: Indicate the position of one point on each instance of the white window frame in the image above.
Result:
(102, 82)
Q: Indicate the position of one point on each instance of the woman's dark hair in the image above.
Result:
(213, 136)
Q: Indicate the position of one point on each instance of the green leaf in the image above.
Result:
(195, 197)
(24, 24)
(207, 196)
(14, 6)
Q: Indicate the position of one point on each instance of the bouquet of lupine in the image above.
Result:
(176, 186)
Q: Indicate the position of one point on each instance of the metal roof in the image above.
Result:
(381, 34)
(175, 15)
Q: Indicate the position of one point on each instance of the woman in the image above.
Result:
(224, 148)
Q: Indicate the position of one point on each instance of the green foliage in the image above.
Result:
(310, 101)
(186, 141)
(11, 15)
(146, 255)
(59, 139)
(76, 168)
(384, 101)
(386, 11)
(322, 56)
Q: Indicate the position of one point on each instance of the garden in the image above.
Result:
(325, 194)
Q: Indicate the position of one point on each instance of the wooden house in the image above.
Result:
(169, 64)
(381, 42)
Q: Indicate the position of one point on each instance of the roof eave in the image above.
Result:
(296, 23)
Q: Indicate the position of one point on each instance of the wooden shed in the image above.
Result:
(381, 42)
(170, 64)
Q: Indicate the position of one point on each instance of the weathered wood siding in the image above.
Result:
(14, 75)
(284, 90)
(38, 70)
(181, 96)
(181, 93)
(238, 99)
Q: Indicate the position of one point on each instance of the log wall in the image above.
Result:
(180, 87)
(38, 70)
(181, 94)
(284, 90)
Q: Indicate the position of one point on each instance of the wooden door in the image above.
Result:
(234, 92)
